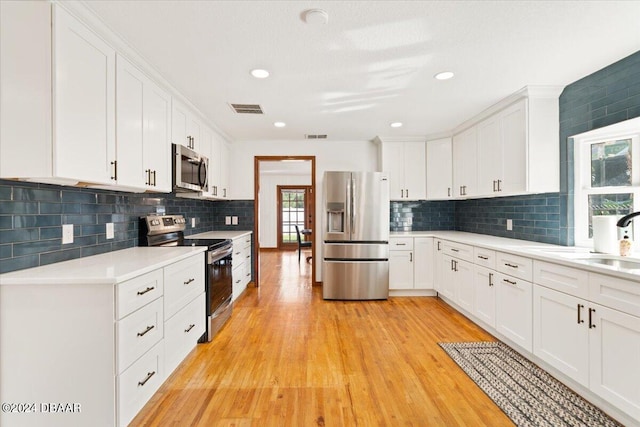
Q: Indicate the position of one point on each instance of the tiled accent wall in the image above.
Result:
(422, 216)
(535, 217)
(32, 215)
(608, 96)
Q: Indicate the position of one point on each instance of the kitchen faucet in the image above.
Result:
(626, 220)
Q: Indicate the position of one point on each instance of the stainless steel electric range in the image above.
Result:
(168, 230)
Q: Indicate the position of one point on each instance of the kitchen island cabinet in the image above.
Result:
(91, 333)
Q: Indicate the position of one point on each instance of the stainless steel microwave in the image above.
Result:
(190, 170)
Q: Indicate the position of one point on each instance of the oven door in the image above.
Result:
(219, 291)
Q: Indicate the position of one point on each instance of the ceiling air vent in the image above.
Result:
(247, 108)
(315, 136)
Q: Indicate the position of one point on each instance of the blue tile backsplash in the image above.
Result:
(32, 215)
(422, 216)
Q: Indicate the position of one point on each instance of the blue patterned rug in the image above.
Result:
(525, 393)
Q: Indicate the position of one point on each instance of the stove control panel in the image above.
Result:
(161, 224)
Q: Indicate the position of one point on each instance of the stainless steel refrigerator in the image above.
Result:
(355, 236)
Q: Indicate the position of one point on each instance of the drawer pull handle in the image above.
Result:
(189, 281)
(509, 281)
(238, 281)
(401, 244)
(580, 307)
(248, 274)
(149, 289)
(143, 333)
(591, 324)
(490, 279)
(455, 250)
(149, 375)
(483, 257)
(510, 265)
(190, 328)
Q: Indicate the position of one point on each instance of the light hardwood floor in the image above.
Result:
(289, 358)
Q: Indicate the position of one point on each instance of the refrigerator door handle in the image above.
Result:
(352, 197)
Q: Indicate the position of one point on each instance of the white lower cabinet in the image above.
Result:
(411, 263)
(514, 309)
(560, 332)
(484, 301)
(242, 262)
(463, 284)
(182, 332)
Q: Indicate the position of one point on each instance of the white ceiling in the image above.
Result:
(373, 62)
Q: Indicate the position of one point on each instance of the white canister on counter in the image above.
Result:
(605, 234)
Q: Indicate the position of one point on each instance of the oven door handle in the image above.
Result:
(218, 254)
(222, 307)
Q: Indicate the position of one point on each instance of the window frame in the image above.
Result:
(582, 175)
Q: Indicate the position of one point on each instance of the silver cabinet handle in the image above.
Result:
(148, 178)
(238, 281)
(191, 326)
(510, 265)
(401, 193)
(154, 178)
(149, 289)
(189, 281)
(494, 185)
(149, 375)
(509, 282)
(146, 331)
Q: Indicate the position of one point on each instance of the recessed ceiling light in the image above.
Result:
(445, 75)
(279, 124)
(315, 16)
(260, 73)
(396, 125)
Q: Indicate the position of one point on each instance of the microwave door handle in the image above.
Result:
(202, 168)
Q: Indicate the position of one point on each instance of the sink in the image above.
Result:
(615, 262)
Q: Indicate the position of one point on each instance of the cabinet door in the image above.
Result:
(179, 123)
(438, 263)
(514, 309)
(194, 129)
(400, 269)
(463, 275)
(464, 163)
(514, 148)
(484, 300)
(561, 333)
(130, 124)
(423, 269)
(447, 287)
(614, 341)
(223, 191)
(392, 163)
(415, 178)
(157, 142)
(84, 99)
(490, 158)
(439, 169)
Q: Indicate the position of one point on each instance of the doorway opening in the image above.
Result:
(274, 227)
(294, 209)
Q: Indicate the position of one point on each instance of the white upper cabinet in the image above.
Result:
(84, 102)
(186, 128)
(157, 142)
(465, 163)
(439, 169)
(516, 148)
(405, 163)
(218, 171)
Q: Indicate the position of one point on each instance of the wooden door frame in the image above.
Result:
(308, 206)
(256, 210)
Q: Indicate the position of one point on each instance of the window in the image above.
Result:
(294, 209)
(607, 177)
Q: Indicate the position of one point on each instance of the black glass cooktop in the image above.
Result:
(210, 243)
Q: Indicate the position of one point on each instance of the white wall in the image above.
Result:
(330, 156)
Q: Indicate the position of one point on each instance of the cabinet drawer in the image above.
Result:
(139, 291)
(459, 250)
(514, 265)
(137, 384)
(183, 281)
(138, 332)
(564, 279)
(401, 243)
(616, 293)
(182, 332)
(484, 257)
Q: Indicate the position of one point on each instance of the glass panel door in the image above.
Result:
(293, 202)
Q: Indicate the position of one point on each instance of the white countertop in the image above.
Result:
(571, 256)
(222, 234)
(104, 269)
